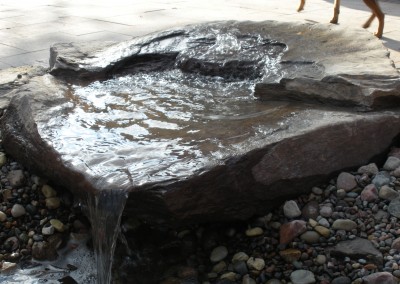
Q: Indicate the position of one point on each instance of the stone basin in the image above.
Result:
(211, 122)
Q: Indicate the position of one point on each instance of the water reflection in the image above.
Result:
(160, 125)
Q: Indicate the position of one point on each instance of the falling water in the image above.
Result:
(105, 210)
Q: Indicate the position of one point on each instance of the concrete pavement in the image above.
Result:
(29, 27)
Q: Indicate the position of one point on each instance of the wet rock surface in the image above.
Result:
(199, 173)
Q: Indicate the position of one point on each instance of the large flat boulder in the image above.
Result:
(171, 118)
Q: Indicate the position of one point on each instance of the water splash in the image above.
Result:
(105, 210)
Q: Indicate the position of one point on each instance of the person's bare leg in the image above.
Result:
(336, 11)
(369, 21)
(376, 10)
(301, 6)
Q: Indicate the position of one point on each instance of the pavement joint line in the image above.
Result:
(14, 47)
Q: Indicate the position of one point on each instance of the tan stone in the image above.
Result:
(229, 275)
(325, 232)
(255, 263)
(219, 267)
(53, 202)
(58, 225)
(48, 191)
(290, 255)
(254, 232)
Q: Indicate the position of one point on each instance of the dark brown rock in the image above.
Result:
(356, 249)
(306, 145)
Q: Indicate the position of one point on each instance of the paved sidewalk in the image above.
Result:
(29, 27)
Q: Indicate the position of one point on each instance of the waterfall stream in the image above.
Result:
(105, 210)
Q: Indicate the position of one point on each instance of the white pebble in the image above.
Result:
(3, 216)
(49, 230)
(255, 263)
(17, 210)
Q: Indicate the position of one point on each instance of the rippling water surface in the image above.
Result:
(160, 125)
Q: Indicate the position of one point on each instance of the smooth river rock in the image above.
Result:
(357, 249)
(208, 173)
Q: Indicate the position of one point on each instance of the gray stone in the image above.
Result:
(324, 222)
(370, 169)
(310, 210)
(291, 209)
(381, 179)
(326, 211)
(218, 254)
(48, 230)
(17, 210)
(391, 163)
(310, 237)
(320, 259)
(388, 193)
(248, 175)
(396, 173)
(302, 277)
(12, 78)
(344, 224)
(240, 267)
(356, 249)
(346, 181)
(16, 178)
(341, 280)
(341, 193)
(394, 207)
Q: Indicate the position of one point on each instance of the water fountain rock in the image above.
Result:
(237, 160)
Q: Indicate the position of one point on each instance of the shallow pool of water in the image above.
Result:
(160, 125)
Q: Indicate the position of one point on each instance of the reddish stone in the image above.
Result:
(380, 277)
(291, 230)
(396, 244)
(370, 266)
(369, 193)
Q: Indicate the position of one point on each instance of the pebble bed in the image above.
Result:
(347, 231)
(35, 219)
